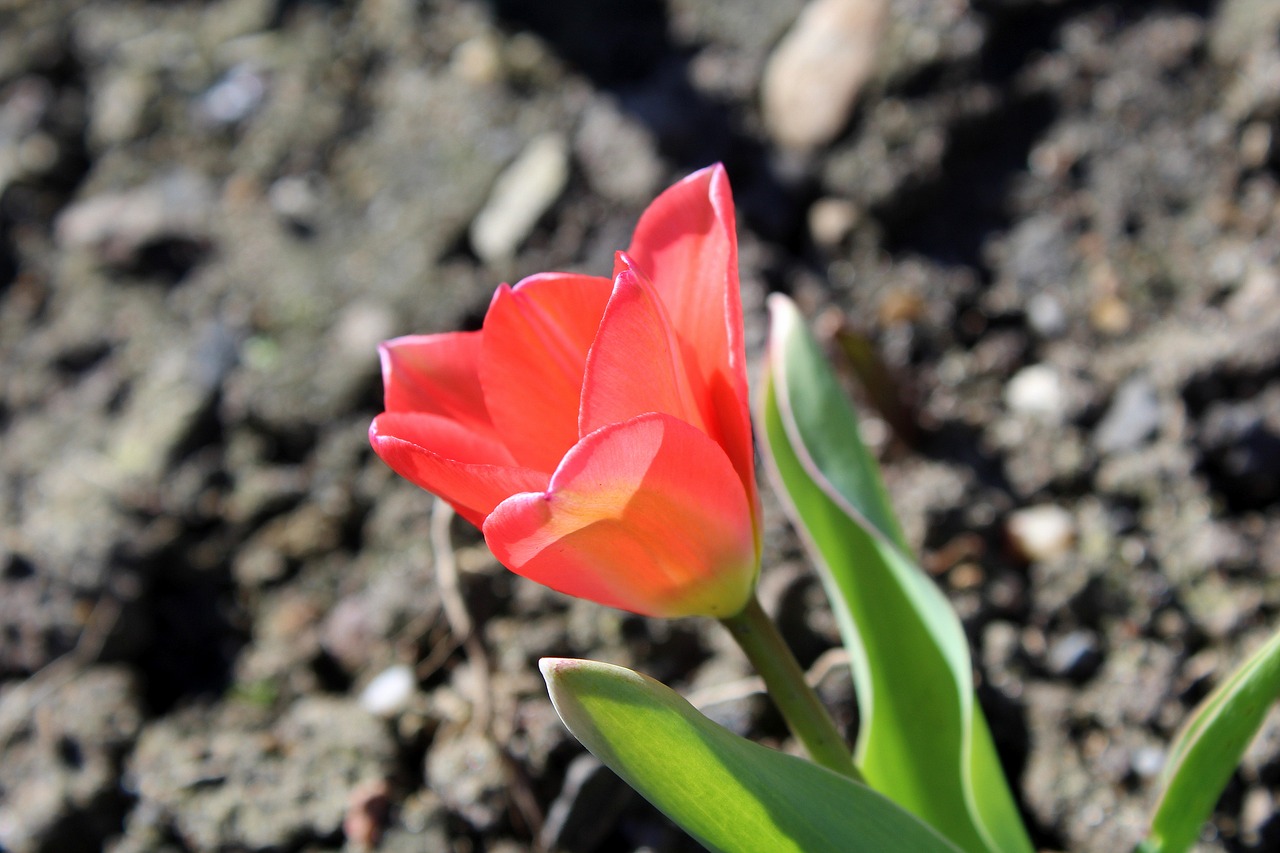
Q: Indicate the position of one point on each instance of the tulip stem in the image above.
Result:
(799, 704)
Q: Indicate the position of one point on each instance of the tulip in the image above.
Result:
(598, 430)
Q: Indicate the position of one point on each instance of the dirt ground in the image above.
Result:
(226, 626)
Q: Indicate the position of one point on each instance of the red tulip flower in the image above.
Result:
(598, 430)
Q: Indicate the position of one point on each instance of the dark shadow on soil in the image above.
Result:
(949, 220)
(612, 43)
(167, 260)
(57, 95)
(8, 259)
(1007, 720)
(193, 643)
(1239, 450)
(623, 48)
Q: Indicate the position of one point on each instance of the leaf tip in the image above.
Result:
(552, 668)
(781, 307)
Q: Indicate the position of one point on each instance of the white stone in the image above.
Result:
(389, 692)
(831, 220)
(478, 60)
(812, 79)
(1041, 533)
(1036, 390)
(524, 191)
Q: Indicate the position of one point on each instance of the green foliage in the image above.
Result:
(730, 794)
(923, 742)
(1208, 749)
(262, 693)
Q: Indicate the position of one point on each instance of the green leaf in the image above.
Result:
(923, 740)
(730, 794)
(1206, 752)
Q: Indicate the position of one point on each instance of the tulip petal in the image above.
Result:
(439, 374)
(472, 472)
(686, 243)
(646, 515)
(534, 354)
(635, 365)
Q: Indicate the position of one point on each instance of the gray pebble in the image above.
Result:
(1075, 656)
(1132, 418)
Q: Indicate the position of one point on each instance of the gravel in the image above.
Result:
(221, 628)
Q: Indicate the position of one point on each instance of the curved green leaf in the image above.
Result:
(730, 794)
(923, 740)
(1206, 752)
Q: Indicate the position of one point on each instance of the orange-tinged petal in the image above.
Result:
(635, 365)
(687, 244)
(646, 515)
(472, 472)
(439, 374)
(532, 360)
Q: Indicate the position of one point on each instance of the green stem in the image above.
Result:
(800, 706)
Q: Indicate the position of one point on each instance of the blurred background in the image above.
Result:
(1047, 231)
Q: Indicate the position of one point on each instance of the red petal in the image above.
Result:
(686, 243)
(646, 515)
(471, 472)
(536, 338)
(635, 365)
(438, 374)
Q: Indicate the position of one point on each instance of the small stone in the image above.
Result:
(1258, 291)
(1000, 648)
(1147, 761)
(389, 692)
(478, 60)
(1111, 315)
(1046, 315)
(296, 198)
(119, 104)
(1133, 417)
(362, 326)
(900, 306)
(967, 575)
(233, 98)
(1075, 656)
(38, 153)
(1257, 811)
(258, 565)
(1255, 144)
(814, 76)
(522, 194)
(1041, 533)
(1036, 390)
(831, 220)
(1039, 255)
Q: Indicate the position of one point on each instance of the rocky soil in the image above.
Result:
(224, 625)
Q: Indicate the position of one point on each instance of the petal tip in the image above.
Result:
(501, 292)
(622, 260)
